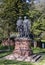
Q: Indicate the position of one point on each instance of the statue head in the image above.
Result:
(20, 17)
(25, 17)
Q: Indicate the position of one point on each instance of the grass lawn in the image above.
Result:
(38, 50)
(5, 54)
(8, 62)
(42, 61)
(13, 62)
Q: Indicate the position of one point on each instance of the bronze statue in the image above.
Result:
(27, 25)
(20, 26)
(23, 27)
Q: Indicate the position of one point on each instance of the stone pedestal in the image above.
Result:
(22, 47)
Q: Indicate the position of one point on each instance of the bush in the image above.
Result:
(3, 47)
(6, 47)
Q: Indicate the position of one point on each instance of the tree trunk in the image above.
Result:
(9, 38)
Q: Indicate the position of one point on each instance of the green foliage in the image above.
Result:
(6, 47)
(3, 47)
(3, 54)
(13, 62)
(38, 25)
(12, 9)
(38, 50)
(36, 28)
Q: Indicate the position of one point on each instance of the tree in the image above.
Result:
(12, 9)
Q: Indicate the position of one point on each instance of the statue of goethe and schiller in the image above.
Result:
(22, 50)
(23, 41)
(23, 27)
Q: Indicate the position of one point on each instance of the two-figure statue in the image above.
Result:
(23, 27)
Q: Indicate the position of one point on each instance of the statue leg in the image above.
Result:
(20, 32)
(25, 33)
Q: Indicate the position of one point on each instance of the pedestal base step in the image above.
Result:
(32, 58)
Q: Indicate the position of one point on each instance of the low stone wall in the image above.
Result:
(7, 42)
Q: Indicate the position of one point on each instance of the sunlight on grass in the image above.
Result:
(38, 50)
(5, 54)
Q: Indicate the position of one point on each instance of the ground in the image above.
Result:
(13, 62)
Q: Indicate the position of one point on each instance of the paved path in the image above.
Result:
(4, 50)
